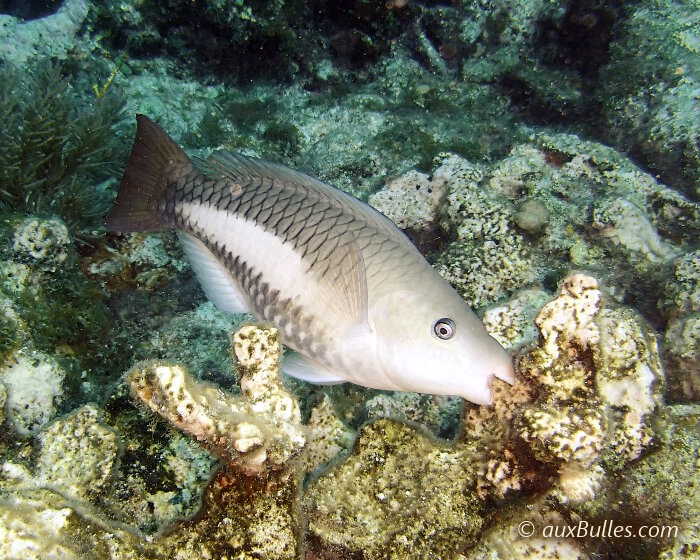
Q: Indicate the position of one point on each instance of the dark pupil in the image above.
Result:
(444, 330)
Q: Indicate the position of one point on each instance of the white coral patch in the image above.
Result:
(34, 385)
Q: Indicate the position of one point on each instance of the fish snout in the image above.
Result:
(481, 394)
(505, 372)
(480, 388)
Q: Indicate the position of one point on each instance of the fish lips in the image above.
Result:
(483, 393)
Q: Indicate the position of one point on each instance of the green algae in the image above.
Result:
(8, 336)
(56, 148)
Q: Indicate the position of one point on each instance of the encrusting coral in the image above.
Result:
(681, 303)
(489, 257)
(34, 388)
(76, 458)
(258, 429)
(586, 397)
(399, 495)
(45, 243)
(3, 399)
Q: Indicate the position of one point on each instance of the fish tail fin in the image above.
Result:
(153, 155)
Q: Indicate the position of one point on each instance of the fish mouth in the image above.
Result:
(506, 373)
(481, 395)
(489, 388)
(485, 397)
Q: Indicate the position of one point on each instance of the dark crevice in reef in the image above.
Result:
(580, 41)
(29, 10)
(575, 46)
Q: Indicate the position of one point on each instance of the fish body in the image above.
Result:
(347, 289)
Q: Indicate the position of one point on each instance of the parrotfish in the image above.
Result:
(351, 295)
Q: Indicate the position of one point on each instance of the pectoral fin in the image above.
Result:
(216, 281)
(299, 366)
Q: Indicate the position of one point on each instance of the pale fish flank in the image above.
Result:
(347, 289)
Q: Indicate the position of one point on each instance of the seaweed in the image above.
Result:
(57, 148)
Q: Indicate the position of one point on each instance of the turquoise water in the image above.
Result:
(542, 156)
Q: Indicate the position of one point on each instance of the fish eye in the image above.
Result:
(444, 328)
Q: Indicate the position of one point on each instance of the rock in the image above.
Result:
(42, 243)
(78, 455)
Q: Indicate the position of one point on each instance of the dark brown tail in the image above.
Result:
(153, 155)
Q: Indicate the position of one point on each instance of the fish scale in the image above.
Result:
(345, 286)
(310, 226)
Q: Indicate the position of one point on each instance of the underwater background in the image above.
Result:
(543, 155)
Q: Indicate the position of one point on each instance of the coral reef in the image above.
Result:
(199, 339)
(627, 379)
(435, 112)
(489, 259)
(558, 202)
(144, 261)
(650, 101)
(438, 414)
(582, 411)
(77, 433)
(234, 27)
(76, 458)
(51, 309)
(602, 213)
(3, 399)
(328, 437)
(507, 541)
(22, 40)
(260, 429)
(667, 480)
(682, 291)
(586, 400)
(251, 515)
(512, 323)
(683, 357)
(45, 244)
(34, 528)
(413, 202)
(680, 302)
(625, 223)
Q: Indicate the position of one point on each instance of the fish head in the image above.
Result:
(434, 343)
